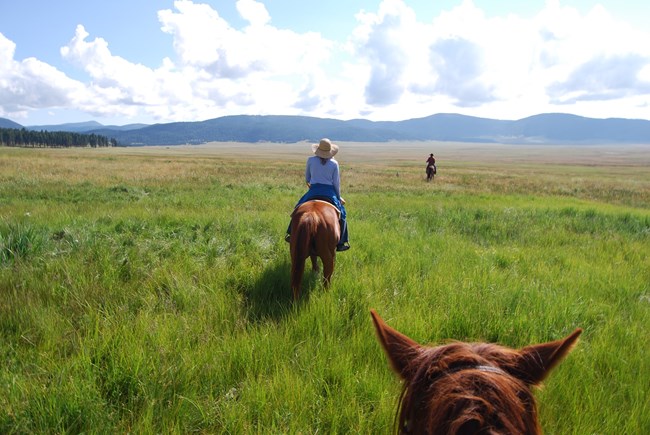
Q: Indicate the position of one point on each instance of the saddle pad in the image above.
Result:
(338, 212)
(330, 204)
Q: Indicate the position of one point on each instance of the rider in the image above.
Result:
(431, 161)
(324, 182)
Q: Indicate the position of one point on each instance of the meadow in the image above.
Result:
(146, 290)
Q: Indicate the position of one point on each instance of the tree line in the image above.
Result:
(14, 137)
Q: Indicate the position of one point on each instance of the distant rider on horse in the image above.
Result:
(431, 166)
(431, 161)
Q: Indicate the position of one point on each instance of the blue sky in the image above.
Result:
(121, 62)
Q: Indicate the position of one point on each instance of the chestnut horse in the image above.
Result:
(462, 388)
(315, 231)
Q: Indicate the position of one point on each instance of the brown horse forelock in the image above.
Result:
(462, 388)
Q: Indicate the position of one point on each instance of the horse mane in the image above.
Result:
(462, 388)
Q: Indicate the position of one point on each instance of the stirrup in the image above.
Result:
(287, 238)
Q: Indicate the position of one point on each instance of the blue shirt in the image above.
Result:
(328, 173)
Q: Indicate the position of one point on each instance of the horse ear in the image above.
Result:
(398, 347)
(536, 361)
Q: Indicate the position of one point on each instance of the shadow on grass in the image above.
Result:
(270, 297)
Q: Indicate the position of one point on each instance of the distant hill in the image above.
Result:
(541, 129)
(83, 127)
(243, 128)
(7, 123)
(553, 128)
(562, 128)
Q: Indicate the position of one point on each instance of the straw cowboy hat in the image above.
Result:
(325, 149)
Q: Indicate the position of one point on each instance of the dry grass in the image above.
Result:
(614, 174)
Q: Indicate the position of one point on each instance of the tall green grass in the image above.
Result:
(150, 294)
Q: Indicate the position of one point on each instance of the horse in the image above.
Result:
(431, 171)
(468, 388)
(315, 231)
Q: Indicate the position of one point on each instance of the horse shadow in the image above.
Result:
(270, 297)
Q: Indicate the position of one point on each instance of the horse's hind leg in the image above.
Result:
(314, 263)
(297, 268)
(328, 269)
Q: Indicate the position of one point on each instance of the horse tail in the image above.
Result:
(302, 234)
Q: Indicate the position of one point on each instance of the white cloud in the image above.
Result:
(499, 66)
(382, 41)
(604, 78)
(203, 39)
(31, 84)
(136, 83)
(393, 66)
(253, 12)
(459, 64)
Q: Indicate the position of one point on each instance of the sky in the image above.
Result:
(155, 61)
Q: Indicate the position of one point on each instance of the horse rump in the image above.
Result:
(314, 233)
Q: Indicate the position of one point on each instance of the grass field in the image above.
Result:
(146, 290)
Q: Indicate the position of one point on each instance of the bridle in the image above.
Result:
(480, 367)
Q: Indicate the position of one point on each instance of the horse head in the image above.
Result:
(469, 388)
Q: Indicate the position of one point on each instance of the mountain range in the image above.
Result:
(553, 128)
